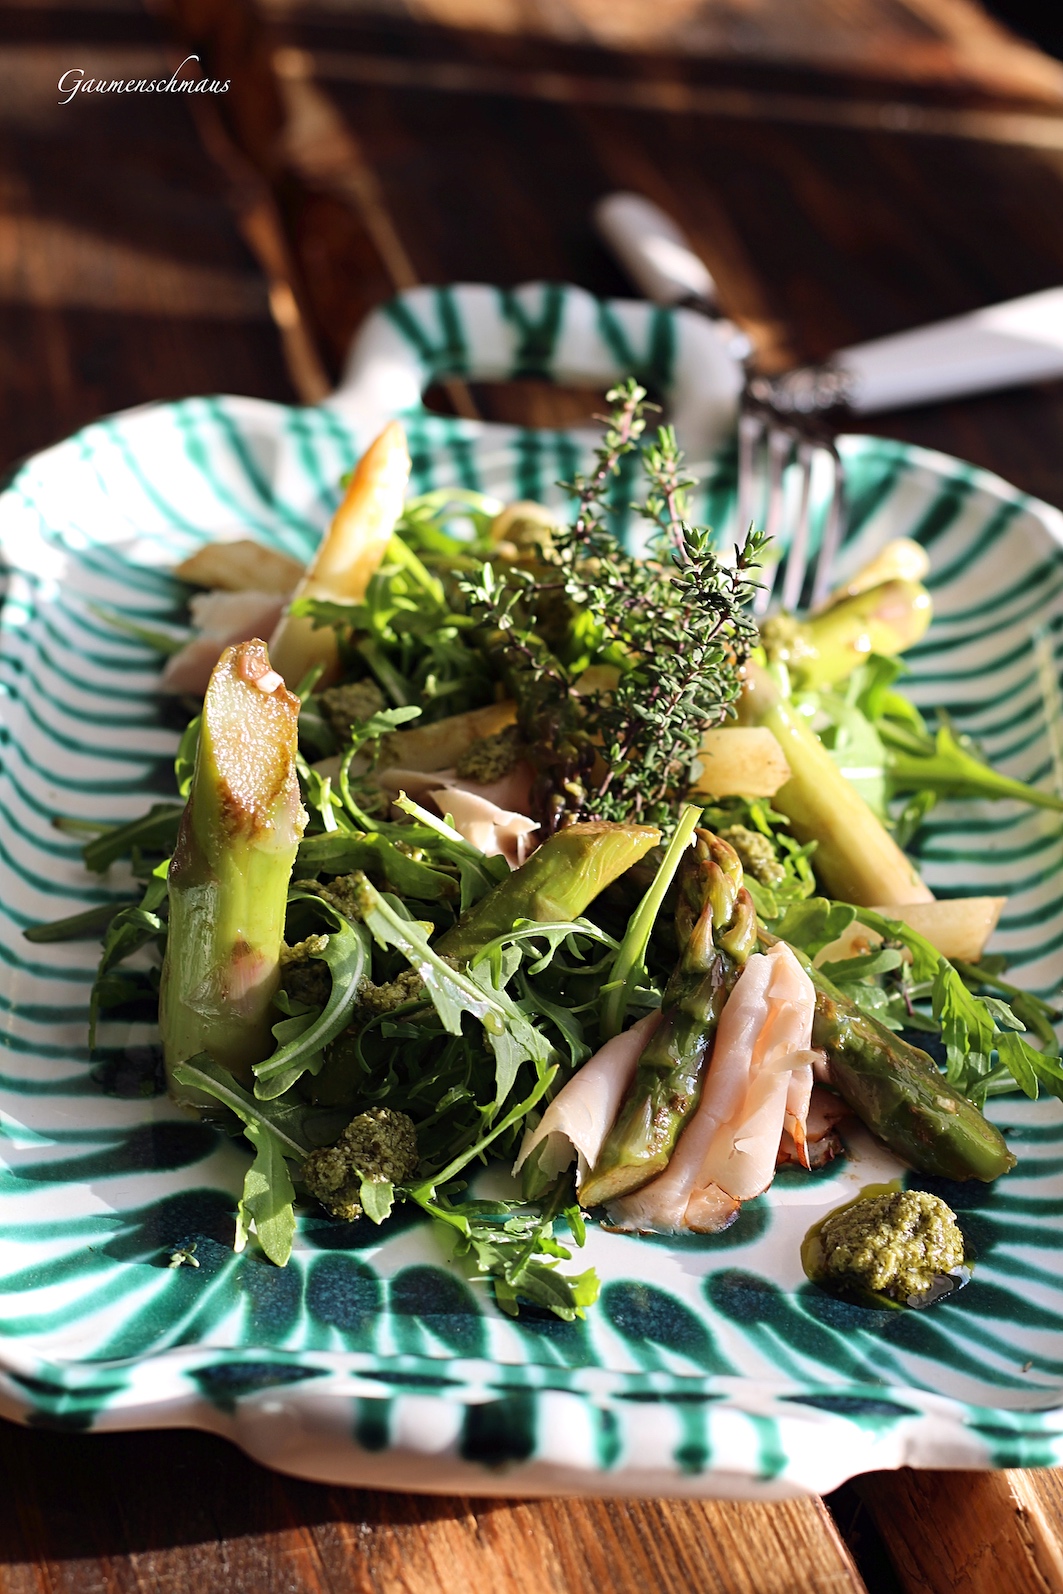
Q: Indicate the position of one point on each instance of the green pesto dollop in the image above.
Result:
(755, 853)
(898, 1244)
(349, 705)
(376, 1000)
(304, 976)
(377, 1145)
(491, 757)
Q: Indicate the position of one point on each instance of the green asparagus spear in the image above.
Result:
(716, 930)
(826, 647)
(230, 870)
(856, 859)
(558, 882)
(896, 1090)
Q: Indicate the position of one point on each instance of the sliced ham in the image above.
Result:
(512, 791)
(221, 619)
(489, 815)
(494, 830)
(581, 1115)
(822, 1142)
(727, 1152)
(768, 1037)
(795, 1112)
(220, 614)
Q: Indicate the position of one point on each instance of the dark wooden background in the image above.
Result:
(847, 168)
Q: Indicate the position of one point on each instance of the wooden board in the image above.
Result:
(186, 1513)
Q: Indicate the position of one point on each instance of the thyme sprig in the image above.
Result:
(671, 628)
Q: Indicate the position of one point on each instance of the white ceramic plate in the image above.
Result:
(709, 1366)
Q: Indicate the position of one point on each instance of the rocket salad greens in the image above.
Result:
(551, 856)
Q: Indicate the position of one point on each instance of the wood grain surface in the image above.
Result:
(122, 274)
(970, 1532)
(146, 256)
(187, 1513)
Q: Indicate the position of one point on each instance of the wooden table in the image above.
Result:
(879, 177)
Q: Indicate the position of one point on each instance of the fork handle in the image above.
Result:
(1004, 345)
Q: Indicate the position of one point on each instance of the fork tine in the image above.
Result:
(750, 432)
(797, 554)
(779, 446)
(832, 532)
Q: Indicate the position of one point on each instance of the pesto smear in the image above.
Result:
(899, 1243)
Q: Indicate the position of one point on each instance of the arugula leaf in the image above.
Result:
(854, 977)
(1031, 1012)
(863, 967)
(971, 1026)
(377, 1197)
(424, 1193)
(201, 1072)
(526, 932)
(1014, 1053)
(161, 639)
(852, 740)
(507, 1030)
(129, 930)
(184, 764)
(911, 816)
(814, 924)
(268, 1193)
(155, 831)
(477, 872)
(564, 1019)
(338, 852)
(266, 1204)
(317, 790)
(346, 952)
(512, 1243)
(425, 518)
(91, 924)
(629, 966)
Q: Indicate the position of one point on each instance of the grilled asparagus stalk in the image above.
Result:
(827, 646)
(716, 930)
(229, 874)
(899, 1093)
(559, 881)
(349, 555)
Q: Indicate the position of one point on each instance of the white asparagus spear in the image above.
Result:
(349, 555)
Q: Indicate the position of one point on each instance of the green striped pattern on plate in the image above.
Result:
(709, 1365)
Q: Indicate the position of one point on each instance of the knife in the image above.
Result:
(1003, 345)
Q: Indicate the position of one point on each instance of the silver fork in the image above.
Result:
(782, 440)
(776, 466)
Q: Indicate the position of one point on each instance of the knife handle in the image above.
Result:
(659, 260)
(654, 252)
(1004, 345)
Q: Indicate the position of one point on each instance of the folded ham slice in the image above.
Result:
(512, 791)
(581, 1114)
(759, 1080)
(221, 620)
(489, 816)
(821, 1142)
(485, 825)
